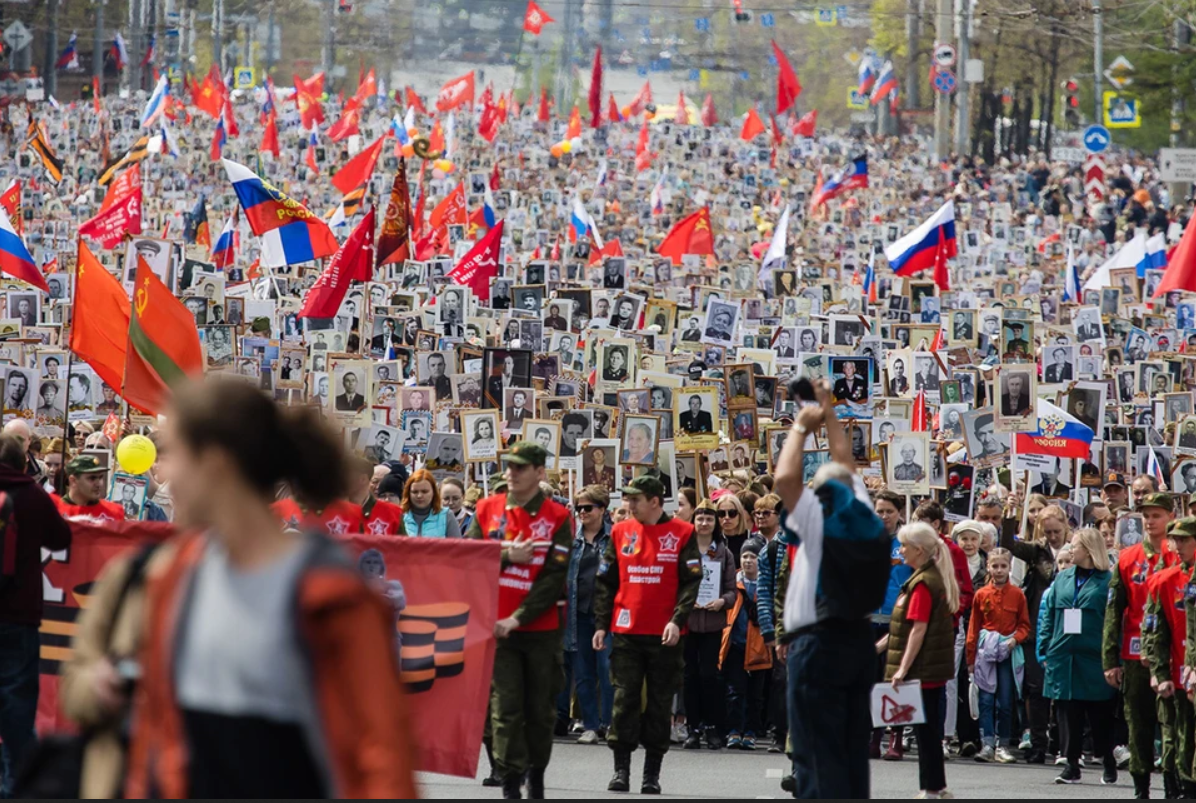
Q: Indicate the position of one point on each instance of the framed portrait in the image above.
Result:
(1058, 363)
(987, 445)
(1130, 531)
(1183, 477)
(519, 405)
(19, 392)
(899, 370)
(82, 388)
(641, 435)
(721, 320)
(908, 464)
(577, 427)
(51, 403)
(24, 307)
(129, 492)
(1016, 404)
(605, 420)
(480, 435)
(851, 386)
(720, 461)
(599, 463)
(634, 402)
(417, 430)
(546, 434)
(740, 387)
(812, 460)
(695, 419)
(1117, 457)
(382, 443)
(504, 368)
(847, 330)
(744, 424)
(963, 328)
(861, 442)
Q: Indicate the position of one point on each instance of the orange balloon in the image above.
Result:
(408, 151)
(626, 112)
(557, 151)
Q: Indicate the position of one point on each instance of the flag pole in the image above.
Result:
(66, 424)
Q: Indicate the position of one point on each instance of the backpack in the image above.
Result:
(856, 555)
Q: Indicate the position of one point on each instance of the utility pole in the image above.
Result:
(942, 100)
(135, 43)
(912, 33)
(270, 40)
(97, 50)
(963, 94)
(329, 40)
(50, 73)
(1098, 60)
(562, 87)
(1182, 34)
(217, 35)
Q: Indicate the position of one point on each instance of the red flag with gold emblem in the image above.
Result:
(394, 239)
(690, 236)
(164, 345)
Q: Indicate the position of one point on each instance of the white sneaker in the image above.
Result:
(1121, 754)
(589, 737)
(1005, 757)
(986, 754)
(1025, 743)
(680, 733)
(1060, 761)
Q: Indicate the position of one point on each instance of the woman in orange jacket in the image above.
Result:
(268, 668)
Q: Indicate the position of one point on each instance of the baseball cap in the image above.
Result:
(1158, 500)
(1183, 528)
(1115, 478)
(84, 464)
(648, 486)
(526, 453)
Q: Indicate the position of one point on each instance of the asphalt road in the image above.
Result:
(579, 772)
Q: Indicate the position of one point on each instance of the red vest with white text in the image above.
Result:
(649, 574)
(511, 524)
(1136, 569)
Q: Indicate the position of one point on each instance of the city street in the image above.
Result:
(582, 772)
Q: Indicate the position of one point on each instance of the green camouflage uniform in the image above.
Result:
(1175, 713)
(636, 719)
(529, 667)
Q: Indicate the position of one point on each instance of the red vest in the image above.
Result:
(383, 518)
(1170, 588)
(339, 519)
(1135, 570)
(649, 574)
(103, 509)
(500, 523)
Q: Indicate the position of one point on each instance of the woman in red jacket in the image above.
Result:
(269, 667)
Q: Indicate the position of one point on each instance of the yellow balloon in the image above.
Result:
(566, 146)
(136, 454)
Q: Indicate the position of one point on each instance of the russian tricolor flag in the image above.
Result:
(488, 208)
(870, 289)
(920, 249)
(867, 74)
(289, 231)
(120, 54)
(15, 259)
(1059, 434)
(224, 253)
(69, 60)
(852, 177)
(886, 84)
(1156, 255)
(1071, 282)
(157, 102)
(582, 224)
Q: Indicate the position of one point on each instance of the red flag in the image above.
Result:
(99, 318)
(414, 102)
(480, 265)
(357, 171)
(230, 119)
(574, 129)
(682, 117)
(488, 122)
(690, 236)
(11, 201)
(709, 114)
(788, 87)
(122, 187)
(1181, 265)
(307, 97)
(544, 114)
(456, 93)
(613, 248)
(806, 126)
(641, 100)
(345, 127)
(555, 254)
(920, 422)
(596, 90)
(451, 211)
(535, 19)
(643, 156)
(942, 274)
(121, 216)
(270, 136)
(394, 240)
(753, 126)
(495, 177)
(937, 344)
(95, 92)
(612, 109)
(353, 262)
(210, 98)
(164, 346)
(777, 137)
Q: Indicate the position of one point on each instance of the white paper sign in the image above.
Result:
(1073, 622)
(895, 708)
(712, 581)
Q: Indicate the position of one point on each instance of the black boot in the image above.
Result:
(491, 780)
(1171, 786)
(621, 782)
(512, 787)
(535, 784)
(651, 784)
(1142, 787)
(1189, 788)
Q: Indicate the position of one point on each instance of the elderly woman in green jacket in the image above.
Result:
(1070, 623)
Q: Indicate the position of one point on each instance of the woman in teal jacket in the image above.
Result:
(1070, 624)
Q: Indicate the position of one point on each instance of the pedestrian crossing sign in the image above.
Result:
(1121, 111)
(244, 78)
(856, 99)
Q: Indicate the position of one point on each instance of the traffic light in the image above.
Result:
(1071, 101)
(740, 14)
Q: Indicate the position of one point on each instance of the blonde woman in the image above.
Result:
(1071, 656)
(921, 643)
(734, 526)
(1051, 533)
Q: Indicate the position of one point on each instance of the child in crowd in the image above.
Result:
(1000, 623)
(745, 661)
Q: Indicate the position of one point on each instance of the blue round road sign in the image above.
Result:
(1097, 138)
(944, 81)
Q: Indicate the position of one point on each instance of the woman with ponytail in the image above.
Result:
(921, 643)
(269, 666)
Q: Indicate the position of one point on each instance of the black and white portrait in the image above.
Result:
(383, 443)
(720, 324)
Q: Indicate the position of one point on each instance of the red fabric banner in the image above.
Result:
(447, 626)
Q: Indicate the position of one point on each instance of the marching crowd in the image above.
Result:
(680, 401)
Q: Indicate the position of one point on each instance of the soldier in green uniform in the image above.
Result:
(1122, 639)
(1017, 346)
(1164, 652)
(537, 536)
(647, 586)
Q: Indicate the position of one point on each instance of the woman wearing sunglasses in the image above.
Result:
(590, 668)
(733, 524)
(705, 692)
